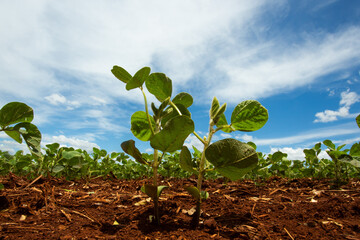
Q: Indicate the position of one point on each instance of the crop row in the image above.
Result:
(166, 127)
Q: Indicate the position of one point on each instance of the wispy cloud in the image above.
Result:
(269, 69)
(347, 100)
(309, 136)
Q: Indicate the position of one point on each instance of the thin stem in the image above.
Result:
(198, 137)
(147, 111)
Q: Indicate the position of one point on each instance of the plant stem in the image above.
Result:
(202, 169)
(147, 111)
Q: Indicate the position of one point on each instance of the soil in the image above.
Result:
(277, 208)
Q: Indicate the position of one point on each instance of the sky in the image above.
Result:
(299, 59)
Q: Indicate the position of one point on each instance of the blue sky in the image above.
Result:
(300, 59)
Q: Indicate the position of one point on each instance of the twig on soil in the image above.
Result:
(83, 215)
(288, 233)
(68, 217)
(252, 210)
(35, 180)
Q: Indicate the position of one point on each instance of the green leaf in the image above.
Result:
(15, 112)
(138, 79)
(214, 107)
(358, 120)
(355, 150)
(253, 145)
(53, 147)
(193, 191)
(159, 85)
(186, 160)
(232, 158)
(173, 135)
(171, 112)
(31, 135)
(249, 116)
(121, 74)
(71, 154)
(1, 186)
(329, 144)
(183, 98)
(140, 126)
(216, 112)
(153, 191)
(58, 168)
(222, 122)
(14, 134)
(129, 148)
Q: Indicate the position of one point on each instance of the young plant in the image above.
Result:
(166, 129)
(15, 121)
(312, 159)
(230, 157)
(336, 154)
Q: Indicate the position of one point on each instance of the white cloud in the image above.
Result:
(70, 142)
(264, 70)
(347, 99)
(297, 153)
(313, 135)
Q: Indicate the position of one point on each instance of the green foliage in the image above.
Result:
(232, 158)
(15, 121)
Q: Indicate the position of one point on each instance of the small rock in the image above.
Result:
(210, 223)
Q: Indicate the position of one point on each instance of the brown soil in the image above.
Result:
(278, 208)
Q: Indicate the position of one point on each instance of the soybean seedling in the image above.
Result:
(166, 129)
(230, 157)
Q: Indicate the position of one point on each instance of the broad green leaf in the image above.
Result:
(317, 146)
(153, 191)
(129, 148)
(358, 120)
(159, 85)
(171, 112)
(14, 134)
(121, 74)
(183, 98)
(249, 116)
(31, 135)
(355, 150)
(309, 153)
(71, 154)
(253, 145)
(15, 112)
(140, 125)
(138, 79)
(329, 144)
(1, 186)
(173, 135)
(58, 168)
(355, 162)
(278, 156)
(186, 160)
(103, 152)
(53, 147)
(232, 158)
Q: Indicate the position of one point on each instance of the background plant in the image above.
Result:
(230, 157)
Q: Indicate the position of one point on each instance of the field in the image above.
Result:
(276, 208)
